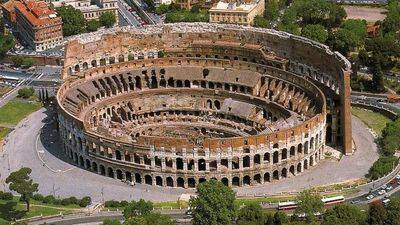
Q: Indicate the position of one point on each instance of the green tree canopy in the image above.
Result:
(377, 214)
(111, 222)
(7, 42)
(344, 41)
(393, 212)
(138, 208)
(315, 32)
(26, 92)
(21, 182)
(92, 25)
(214, 204)
(73, 20)
(358, 27)
(344, 215)
(150, 219)
(309, 204)
(260, 21)
(107, 19)
(252, 214)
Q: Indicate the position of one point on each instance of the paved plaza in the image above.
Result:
(34, 144)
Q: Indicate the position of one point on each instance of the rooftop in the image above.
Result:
(235, 6)
(38, 13)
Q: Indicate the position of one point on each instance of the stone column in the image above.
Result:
(163, 164)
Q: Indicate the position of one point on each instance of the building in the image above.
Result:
(237, 12)
(178, 104)
(91, 9)
(36, 23)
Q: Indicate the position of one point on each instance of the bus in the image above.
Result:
(327, 202)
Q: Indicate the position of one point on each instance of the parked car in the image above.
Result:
(369, 197)
(382, 192)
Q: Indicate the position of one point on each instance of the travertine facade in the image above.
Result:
(179, 104)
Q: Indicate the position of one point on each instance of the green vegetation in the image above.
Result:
(107, 19)
(4, 132)
(71, 202)
(92, 25)
(141, 213)
(309, 204)
(24, 61)
(26, 92)
(315, 32)
(7, 42)
(174, 14)
(382, 166)
(376, 121)
(20, 182)
(73, 20)
(17, 109)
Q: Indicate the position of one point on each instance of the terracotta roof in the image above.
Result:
(9, 6)
(37, 13)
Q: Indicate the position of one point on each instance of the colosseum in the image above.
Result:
(178, 104)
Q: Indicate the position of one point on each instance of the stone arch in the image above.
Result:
(276, 157)
(187, 83)
(180, 182)
(275, 175)
(128, 176)
(235, 181)
(119, 174)
(94, 63)
(85, 65)
(110, 172)
(246, 161)
(118, 155)
(257, 159)
(81, 162)
(305, 165)
(159, 181)
(148, 180)
(292, 170)
(170, 182)
(201, 165)
(292, 151)
(138, 178)
(267, 177)
(267, 157)
(284, 154)
(306, 148)
(284, 173)
(246, 180)
(94, 167)
(179, 163)
(88, 164)
(102, 170)
(257, 178)
(202, 180)
(191, 182)
(300, 148)
(225, 181)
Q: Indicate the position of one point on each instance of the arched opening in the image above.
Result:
(180, 182)
(179, 83)
(284, 172)
(267, 157)
(110, 172)
(217, 104)
(246, 180)
(299, 168)
(81, 162)
(94, 63)
(102, 170)
(257, 159)
(213, 165)
(191, 164)
(138, 178)
(292, 170)
(138, 82)
(257, 178)
(202, 180)
(170, 182)
(118, 155)
(275, 175)
(119, 174)
(128, 176)
(246, 161)
(267, 177)
(148, 180)
(305, 165)
(202, 165)
(88, 164)
(94, 167)
(276, 157)
(187, 83)
(235, 181)
(328, 135)
(179, 164)
(284, 154)
(191, 182)
(225, 181)
(300, 148)
(292, 151)
(306, 147)
(159, 181)
(235, 163)
(127, 157)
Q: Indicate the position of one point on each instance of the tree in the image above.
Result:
(7, 42)
(315, 32)
(73, 20)
(280, 218)
(107, 19)
(138, 208)
(150, 219)
(251, 214)
(336, 16)
(377, 214)
(92, 25)
(344, 41)
(271, 10)
(358, 27)
(343, 215)
(382, 166)
(21, 182)
(26, 92)
(393, 212)
(214, 204)
(260, 21)
(309, 204)
(111, 222)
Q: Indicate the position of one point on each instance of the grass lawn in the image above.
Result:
(373, 120)
(3, 132)
(17, 109)
(16, 209)
(4, 89)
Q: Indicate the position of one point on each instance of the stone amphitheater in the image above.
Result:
(178, 104)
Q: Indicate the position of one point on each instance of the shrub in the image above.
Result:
(26, 92)
(382, 166)
(38, 197)
(85, 201)
(6, 196)
(69, 201)
(49, 199)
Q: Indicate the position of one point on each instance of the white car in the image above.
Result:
(369, 197)
(382, 192)
(398, 177)
(389, 188)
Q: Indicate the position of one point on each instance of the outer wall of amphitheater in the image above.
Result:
(283, 78)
